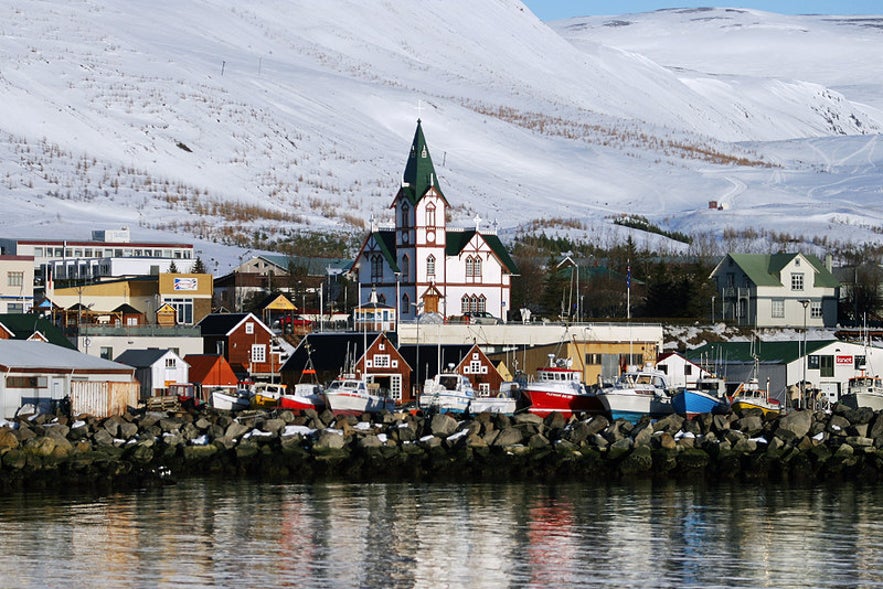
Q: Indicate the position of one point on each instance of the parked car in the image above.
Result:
(294, 324)
(479, 318)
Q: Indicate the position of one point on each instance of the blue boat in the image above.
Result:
(709, 395)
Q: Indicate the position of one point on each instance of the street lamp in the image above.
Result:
(805, 303)
(417, 307)
(398, 300)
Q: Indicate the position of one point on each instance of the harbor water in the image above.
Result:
(210, 533)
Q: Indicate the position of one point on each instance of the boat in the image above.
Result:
(305, 396)
(451, 392)
(708, 395)
(266, 395)
(349, 395)
(637, 393)
(225, 400)
(558, 388)
(864, 390)
(750, 395)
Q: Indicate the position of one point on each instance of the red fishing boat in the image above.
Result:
(558, 387)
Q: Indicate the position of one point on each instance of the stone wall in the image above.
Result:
(154, 448)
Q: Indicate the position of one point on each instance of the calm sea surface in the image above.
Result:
(206, 533)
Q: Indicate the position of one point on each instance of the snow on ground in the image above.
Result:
(132, 114)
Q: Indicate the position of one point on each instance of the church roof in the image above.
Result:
(419, 174)
(457, 240)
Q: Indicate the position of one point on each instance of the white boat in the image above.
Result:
(637, 393)
(864, 390)
(349, 395)
(451, 392)
(226, 401)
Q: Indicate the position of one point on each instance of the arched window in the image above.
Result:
(376, 268)
(430, 265)
(406, 268)
(406, 216)
(474, 304)
(476, 267)
(406, 304)
(482, 304)
(430, 215)
(464, 304)
(469, 267)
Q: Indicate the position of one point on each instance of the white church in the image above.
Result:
(419, 265)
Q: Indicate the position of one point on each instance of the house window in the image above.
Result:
(484, 389)
(797, 281)
(778, 308)
(475, 367)
(381, 360)
(15, 308)
(430, 265)
(815, 309)
(406, 269)
(430, 215)
(688, 369)
(376, 268)
(106, 352)
(249, 328)
(15, 278)
(258, 353)
(183, 309)
(171, 363)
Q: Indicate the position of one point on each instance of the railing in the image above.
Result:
(139, 330)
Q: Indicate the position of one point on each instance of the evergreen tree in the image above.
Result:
(198, 266)
(173, 269)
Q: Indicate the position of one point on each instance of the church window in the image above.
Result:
(473, 304)
(476, 267)
(481, 304)
(406, 269)
(430, 215)
(464, 304)
(406, 304)
(376, 268)
(430, 265)
(406, 216)
(469, 267)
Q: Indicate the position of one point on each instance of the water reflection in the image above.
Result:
(211, 534)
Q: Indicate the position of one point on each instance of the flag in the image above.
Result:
(628, 276)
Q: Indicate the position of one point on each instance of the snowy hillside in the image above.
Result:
(222, 121)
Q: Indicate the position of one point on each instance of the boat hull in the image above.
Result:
(856, 400)
(301, 402)
(633, 405)
(692, 403)
(228, 402)
(746, 404)
(347, 403)
(544, 403)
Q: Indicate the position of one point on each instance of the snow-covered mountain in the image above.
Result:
(218, 121)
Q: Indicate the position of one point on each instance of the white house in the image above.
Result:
(156, 369)
(681, 372)
(420, 265)
(779, 290)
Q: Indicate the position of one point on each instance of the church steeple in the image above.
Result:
(419, 173)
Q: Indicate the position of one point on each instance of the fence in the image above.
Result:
(103, 399)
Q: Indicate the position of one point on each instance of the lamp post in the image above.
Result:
(417, 307)
(398, 301)
(805, 303)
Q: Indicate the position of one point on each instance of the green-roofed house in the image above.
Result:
(421, 263)
(778, 290)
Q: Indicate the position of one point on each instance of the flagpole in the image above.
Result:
(628, 307)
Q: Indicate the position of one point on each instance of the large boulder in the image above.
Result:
(509, 437)
(796, 422)
(443, 425)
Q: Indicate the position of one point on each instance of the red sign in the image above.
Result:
(843, 359)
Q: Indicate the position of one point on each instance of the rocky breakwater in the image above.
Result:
(150, 448)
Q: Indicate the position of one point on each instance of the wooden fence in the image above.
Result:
(103, 399)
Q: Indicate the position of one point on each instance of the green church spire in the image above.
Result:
(419, 173)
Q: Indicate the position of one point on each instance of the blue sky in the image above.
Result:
(556, 9)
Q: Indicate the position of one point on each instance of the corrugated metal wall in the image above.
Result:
(103, 399)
